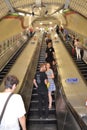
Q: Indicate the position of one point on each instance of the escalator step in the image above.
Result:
(35, 119)
(41, 126)
(34, 104)
(34, 111)
(35, 96)
(83, 68)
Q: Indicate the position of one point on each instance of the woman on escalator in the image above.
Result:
(52, 86)
(77, 45)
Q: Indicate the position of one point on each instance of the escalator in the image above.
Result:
(33, 120)
(62, 116)
(67, 117)
(82, 66)
(11, 62)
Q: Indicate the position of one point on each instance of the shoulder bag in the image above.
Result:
(2, 113)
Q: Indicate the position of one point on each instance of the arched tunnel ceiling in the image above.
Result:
(52, 5)
(45, 21)
(53, 15)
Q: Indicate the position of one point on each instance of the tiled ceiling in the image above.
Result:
(47, 5)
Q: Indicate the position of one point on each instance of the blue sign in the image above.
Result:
(72, 80)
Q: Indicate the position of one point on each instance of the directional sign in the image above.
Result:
(72, 80)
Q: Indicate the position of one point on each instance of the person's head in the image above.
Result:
(49, 44)
(73, 36)
(43, 67)
(48, 65)
(10, 82)
(77, 40)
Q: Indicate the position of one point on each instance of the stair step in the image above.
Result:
(0, 80)
(34, 111)
(1, 76)
(81, 65)
(35, 105)
(84, 71)
(36, 101)
(35, 96)
(83, 68)
(3, 72)
(35, 119)
(79, 62)
(85, 76)
(41, 126)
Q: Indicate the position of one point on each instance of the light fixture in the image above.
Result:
(27, 14)
(41, 23)
(21, 13)
(61, 11)
(50, 22)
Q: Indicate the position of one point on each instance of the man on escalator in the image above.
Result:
(40, 81)
(12, 109)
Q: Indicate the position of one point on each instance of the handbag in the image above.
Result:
(48, 85)
(3, 110)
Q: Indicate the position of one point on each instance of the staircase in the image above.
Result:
(11, 62)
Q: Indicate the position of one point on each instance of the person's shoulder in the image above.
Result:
(43, 73)
(52, 47)
(15, 95)
(47, 48)
(37, 73)
(50, 70)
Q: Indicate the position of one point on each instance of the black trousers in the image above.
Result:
(43, 103)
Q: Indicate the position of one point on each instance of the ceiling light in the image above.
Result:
(27, 14)
(37, 27)
(41, 23)
(50, 22)
(21, 13)
(61, 11)
(39, 8)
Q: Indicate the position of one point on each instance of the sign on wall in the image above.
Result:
(72, 80)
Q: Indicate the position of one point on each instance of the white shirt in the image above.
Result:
(14, 110)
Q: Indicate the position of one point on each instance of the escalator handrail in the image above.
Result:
(76, 116)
